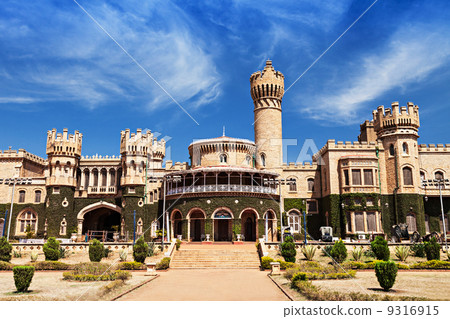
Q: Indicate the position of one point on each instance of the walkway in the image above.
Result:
(209, 284)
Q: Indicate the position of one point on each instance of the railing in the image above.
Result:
(101, 189)
(222, 188)
(360, 189)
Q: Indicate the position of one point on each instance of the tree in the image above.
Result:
(288, 250)
(140, 250)
(51, 249)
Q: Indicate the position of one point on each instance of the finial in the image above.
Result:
(223, 130)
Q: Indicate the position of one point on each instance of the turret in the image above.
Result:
(267, 89)
(403, 120)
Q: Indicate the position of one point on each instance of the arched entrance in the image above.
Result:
(223, 228)
(99, 220)
(249, 224)
(196, 228)
(177, 223)
(270, 223)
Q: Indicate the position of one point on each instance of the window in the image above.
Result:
(294, 222)
(422, 176)
(359, 222)
(131, 190)
(405, 148)
(371, 222)
(369, 201)
(27, 218)
(310, 182)
(263, 160)
(140, 226)
(311, 206)
(358, 201)
(349, 222)
(2, 223)
(223, 158)
(293, 185)
(346, 179)
(151, 197)
(407, 176)
(356, 176)
(391, 150)
(154, 228)
(21, 196)
(368, 177)
(63, 227)
(411, 222)
(427, 224)
(439, 175)
(37, 196)
(248, 160)
(55, 190)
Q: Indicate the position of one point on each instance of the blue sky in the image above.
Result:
(59, 69)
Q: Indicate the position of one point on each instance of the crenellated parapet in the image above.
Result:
(434, 148)
(142, 144)
(267, 87)
(299, 166)
(22, 154)
(64, 144)
(340, 145)
(396, 120)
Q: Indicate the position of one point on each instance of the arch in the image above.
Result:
(173, 216)
(223, 158)
(439, 174)
(405, 148)
(22, 194)
(391, 150)
(249, 209)
(263, 159)
(195, 209)
(37, 196)
(408, 179)
(294, 220)
(222, 208)
(310, 182)
(411, 221)
(270, 226)
(292, 185)
(196, 228)
(101, 204)
(271, 211)
(26, 217)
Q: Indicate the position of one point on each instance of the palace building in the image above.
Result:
(232, 188)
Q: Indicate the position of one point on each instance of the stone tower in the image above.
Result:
(267, 89)
(63, 151)
(136, 149)
(397, 128)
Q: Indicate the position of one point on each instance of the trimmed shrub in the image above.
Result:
(118, 274)
(431, 264)
(51, 249)
(50, 265)
(418, 250)
(22, 277)
(285, 264)
(140, 250)
(309, 251)
(288, 249)
(326, 250)
(380, 248)
(339, 251)
(386, 272)
(122, 275)
(265, 262)
(5, 265)
(106, 252)
(132, 265)
(151, 249)
(5, 250)
(163, 264)
(402, 253)
(178, 244)
(300, 276)
(433, 249)
(357, 253)
(96, 251)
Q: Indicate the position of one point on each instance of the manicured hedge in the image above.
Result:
(109, 276)
(431, 264)
(5, 265)
(132, 265)
(5, 249)
(163, 264)
(51, 265)
(22, 277)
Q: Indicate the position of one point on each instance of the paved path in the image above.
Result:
(205, 284)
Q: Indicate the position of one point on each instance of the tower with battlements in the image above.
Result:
(267, 89)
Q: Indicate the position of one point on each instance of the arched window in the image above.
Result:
(63, 227)
(2, 223)
(391, 150)
(293, 185)
(37, 196)
(248, 160)
(21, 196)
(154, 228)
(407, 176)
(422, 176)
(26, 218)
(294, 222)
(411, 222)
(151, 197)
(439, 175)
(263, 159)
(405, 148)
(140, 226)
(310, 182)
(223, 158)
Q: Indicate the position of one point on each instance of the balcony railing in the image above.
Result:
(360, 189)
(101, 189)
(222, 188)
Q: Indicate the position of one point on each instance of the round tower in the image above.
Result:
(267, 89)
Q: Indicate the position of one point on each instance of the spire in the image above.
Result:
(223, 131)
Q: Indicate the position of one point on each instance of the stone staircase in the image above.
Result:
(216, 257)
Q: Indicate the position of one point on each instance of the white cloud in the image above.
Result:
(410, 56)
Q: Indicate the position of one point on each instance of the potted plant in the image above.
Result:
(116, 234)
(74, 234)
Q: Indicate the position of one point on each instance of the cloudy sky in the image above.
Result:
(181, 68)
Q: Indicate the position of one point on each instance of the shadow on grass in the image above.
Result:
(26, 293)
(394, 291)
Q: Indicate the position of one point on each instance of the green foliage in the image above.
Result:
(106, 252)
(34, 256)
(433, 249)
(265, 262)
(151, 249)
(4, 265)
(140, 250)
(123, 254)
(22, 277)
(163, 264)
(29, 232)
(431, 264)
(357, 253)
(96, 251)
(380, 248)
(288, 249)
(285, 264)
(402, 252)
(339, 251)
(309, 251)
(299, 276)
(108, 276)
(298, 237)
(178, 244)
(132, 265)
(326, 251)
(51, 249)
(122, 275)
(386, 272)
(418, 250)
(5, 250)
(368, 253)
(17, 253)
(50, 265)
(63, 252)
(368, 265)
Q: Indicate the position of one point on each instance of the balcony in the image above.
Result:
(101, 190)
(222, 188)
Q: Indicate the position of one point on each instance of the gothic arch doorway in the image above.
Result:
(249, 224)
